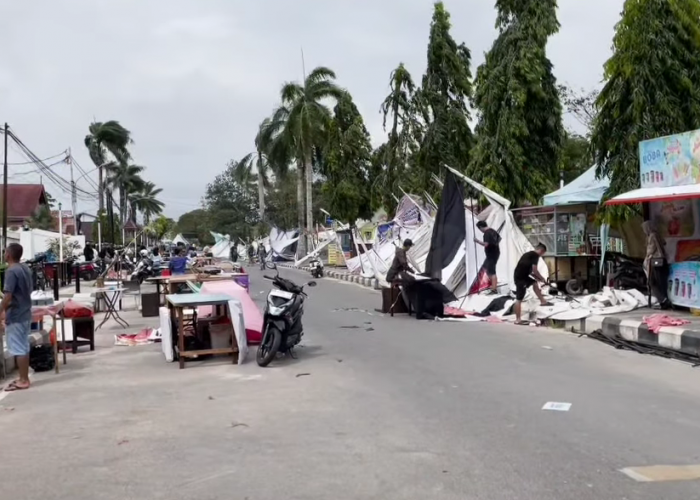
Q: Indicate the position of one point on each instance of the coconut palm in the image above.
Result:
(105, 139)
(127, 179)
(145, 201)
(300, 127)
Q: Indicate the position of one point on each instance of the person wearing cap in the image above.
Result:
(492, 250)
(400, 269)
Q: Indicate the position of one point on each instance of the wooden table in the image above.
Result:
(159, 281)
(178, 302)
(179, 279)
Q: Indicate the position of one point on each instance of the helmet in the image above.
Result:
(144, 253)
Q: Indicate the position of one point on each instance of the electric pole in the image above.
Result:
(73, 195)
(4, 198)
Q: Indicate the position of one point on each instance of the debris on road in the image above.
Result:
(238, 424)
(552, 406)
(122, 441)
(302, 374)
(350, 327)
(211, 398)
(546, 347)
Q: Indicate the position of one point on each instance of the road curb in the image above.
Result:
(372, 283)
(670, 337)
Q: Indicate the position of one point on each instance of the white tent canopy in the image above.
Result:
(179, 239)
(584, 189)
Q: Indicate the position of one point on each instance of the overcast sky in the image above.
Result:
(192, 79)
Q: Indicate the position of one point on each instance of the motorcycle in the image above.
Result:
(282, 327)
(627, 272)
(316, 268)
(143, 270)
(36, 266)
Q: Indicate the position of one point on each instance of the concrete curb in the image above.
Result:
(670, 337)
(372, 283)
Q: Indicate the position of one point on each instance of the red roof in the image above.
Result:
(131, 226)
(23, 199)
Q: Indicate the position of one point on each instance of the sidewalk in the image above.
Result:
(630, 326)
(103, 336)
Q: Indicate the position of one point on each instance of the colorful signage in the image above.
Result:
(673, 160)
(683, 284)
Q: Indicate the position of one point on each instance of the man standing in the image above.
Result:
(492, 250)
(399, 267)
(527, 275)
(16, 307)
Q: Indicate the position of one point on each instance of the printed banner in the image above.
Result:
(683, 284)
(673, 160)
(674, 219)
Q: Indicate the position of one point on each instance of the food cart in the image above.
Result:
(670, 193)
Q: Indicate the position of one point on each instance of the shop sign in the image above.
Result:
(683, 284)
(669, 161)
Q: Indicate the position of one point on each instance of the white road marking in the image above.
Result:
(660, 473)
(552, 406)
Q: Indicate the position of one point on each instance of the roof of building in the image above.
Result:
(130, 225)
(23, 199)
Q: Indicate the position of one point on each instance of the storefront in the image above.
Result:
(670, 186)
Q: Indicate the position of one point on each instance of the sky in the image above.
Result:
(192, 79)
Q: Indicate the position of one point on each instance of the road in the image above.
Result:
(373, 408)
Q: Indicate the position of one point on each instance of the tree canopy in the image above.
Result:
(652, 87)
(519, 129)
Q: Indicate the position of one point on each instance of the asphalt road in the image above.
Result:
(373, 408)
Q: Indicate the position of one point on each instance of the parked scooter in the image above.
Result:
(144, 268)
(627, 272)
(282, 327)
(316, 268)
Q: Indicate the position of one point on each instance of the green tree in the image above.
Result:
(576, 157)
(390, 160)
(652, 88)
(101, 229)
(42, 219)
(105, 139)
(519, 130)
(161, 227)
(347, 164)
(127, 179)
(197, 224)
(145, 200)
(580, 104)
(300, 127)
(442, 102)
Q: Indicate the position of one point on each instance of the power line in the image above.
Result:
(64, 154)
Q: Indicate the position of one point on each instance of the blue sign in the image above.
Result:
(670, 161)
(329, 221)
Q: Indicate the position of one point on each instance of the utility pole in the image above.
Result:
(73, 195)
(4, 198)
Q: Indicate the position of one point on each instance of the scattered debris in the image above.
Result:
(339, 360)
(302, 374)
(121, 442)
(351, 327)
(145, 336)
(445, 472)
(552, 406)
(9, 408)
(546, 347)
(238, 424)
(211, 398)
(370, 329)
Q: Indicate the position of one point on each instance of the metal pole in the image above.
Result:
(60, 234)
(73, 195)
(4, 198)
(99, 235)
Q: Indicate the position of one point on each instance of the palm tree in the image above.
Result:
(261, 164)
(103, 138)
(242, 173)
(145, 201)
(126, 178)
(302, 125)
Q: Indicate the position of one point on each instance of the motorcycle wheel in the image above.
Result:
(269, 346)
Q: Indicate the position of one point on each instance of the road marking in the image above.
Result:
(553, 406)
(657, 473)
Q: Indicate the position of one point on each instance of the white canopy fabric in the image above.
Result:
(657, 194)
(584, 189)
(283, 244)
(180, 239)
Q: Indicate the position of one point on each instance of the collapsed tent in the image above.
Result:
(283, 244)
(222, 246)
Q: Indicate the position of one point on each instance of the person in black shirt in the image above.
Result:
(88, 252)
(525, 276)
(492, 250)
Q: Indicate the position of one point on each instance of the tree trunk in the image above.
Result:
(309, 203)
(261, 194)
(100, 188)
(300, 208)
